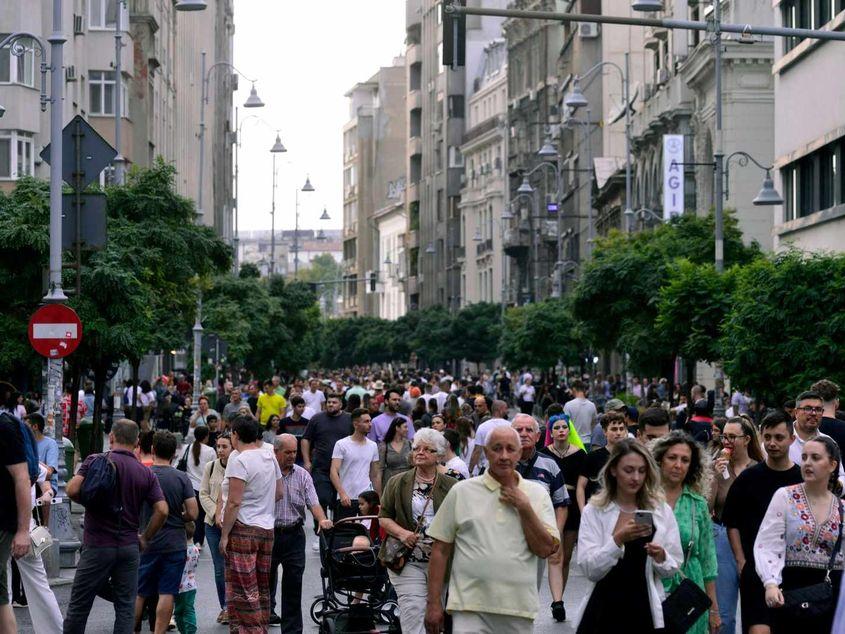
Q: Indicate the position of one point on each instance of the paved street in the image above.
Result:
(101, 619)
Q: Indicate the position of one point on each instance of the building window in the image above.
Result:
(17, 158)
(456, 159)
(101, 92)
(17, 69)
(814, 182)
(456, 106)
(102, 14)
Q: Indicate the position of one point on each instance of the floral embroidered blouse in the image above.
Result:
(791, 536)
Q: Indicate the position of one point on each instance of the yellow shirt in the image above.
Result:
(493, 570)
(270, 404)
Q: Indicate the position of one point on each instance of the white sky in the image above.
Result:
(305, 55)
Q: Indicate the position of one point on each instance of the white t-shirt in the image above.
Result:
(259, 470)
(582, 413)
(314, 400)
(458, 466)
(483, 431)
(207, 454)
(355, 468)
(527, 393)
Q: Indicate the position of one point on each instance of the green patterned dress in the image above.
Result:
(694, 523)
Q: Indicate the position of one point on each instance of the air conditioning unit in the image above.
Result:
(588, 30)
(70, 73)
(77, 25)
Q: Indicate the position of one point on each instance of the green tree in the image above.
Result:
(432, 338)
(476, 329)
(539, 335)
(786, 327)
(616, 299)
(325, 271)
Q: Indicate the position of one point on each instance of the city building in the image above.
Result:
(373, 185)
(160, 96)
(255, 248)
(436, 98)
(484, 195)
(809, 138)
(676, 95)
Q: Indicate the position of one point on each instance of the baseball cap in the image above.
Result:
(614, 405)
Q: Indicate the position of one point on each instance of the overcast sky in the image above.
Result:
(306, 56)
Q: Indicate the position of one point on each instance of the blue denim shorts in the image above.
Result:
(160, 573)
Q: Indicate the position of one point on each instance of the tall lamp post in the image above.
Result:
(277, 148)
(575, 99)
(307, 187)
(252, 102)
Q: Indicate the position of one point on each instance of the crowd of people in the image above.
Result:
(485, 488)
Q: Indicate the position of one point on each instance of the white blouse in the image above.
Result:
(791, 536)
(598, 553)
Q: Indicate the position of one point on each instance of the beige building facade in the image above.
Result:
(161, 87)
(809, 135)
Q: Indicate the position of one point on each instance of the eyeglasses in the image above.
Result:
(425, 449)
(733, 437)
(809, 409)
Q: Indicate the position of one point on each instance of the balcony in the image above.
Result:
(517, 241)
(483, 247)
(413, 54)
(414, 146)
(414, 99)
(412, 192)
(413, 286)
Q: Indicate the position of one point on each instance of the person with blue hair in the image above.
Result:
(567, 450)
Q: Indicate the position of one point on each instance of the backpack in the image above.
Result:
(30, 446)
(101, 487)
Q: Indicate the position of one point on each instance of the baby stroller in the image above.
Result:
(356, 590)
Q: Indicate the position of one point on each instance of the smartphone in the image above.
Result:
(645, 518)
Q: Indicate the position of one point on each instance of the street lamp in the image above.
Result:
(647, 6)
(205, 77)
(768, 195)
(575, 99)
(430, 250)
(190, 5)
(277, 148)
(321, 235)
(307, 187)
(525, 186)
(238, 133)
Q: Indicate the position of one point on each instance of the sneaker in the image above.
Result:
(172, 625)
(315, 545)
(275, 620)
(558, 611)
(19, 604)
(221, 615)
(224, 617)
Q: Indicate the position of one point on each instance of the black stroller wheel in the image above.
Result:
(318, 608)
(327, 626)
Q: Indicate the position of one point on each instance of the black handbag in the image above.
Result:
(817, 599)
(685, 605)
(182, 465)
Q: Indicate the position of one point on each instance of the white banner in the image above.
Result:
(673, 175)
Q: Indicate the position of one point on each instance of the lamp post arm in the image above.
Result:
(17, 49)
(207, 77)
(602, 65)
(742, 158)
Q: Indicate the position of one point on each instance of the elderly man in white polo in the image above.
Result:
(497, 525)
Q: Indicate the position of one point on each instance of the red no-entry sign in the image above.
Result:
(55, 331)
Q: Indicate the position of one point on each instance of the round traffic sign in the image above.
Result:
(55, 331)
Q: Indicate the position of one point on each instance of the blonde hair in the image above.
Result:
(650, 494)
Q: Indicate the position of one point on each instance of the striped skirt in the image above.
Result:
(248, 578)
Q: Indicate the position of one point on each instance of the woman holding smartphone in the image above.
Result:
(627, 544)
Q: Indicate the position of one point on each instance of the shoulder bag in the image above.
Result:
(395, 551)
(817, 599)
(40, 535)
(685, 605)
(182, 465)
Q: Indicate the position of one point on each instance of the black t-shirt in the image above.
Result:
(748, 500)
(296, 427)
(323, 431)
(590, 469)
(834, 428)
(176, 487)
(11, 452)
